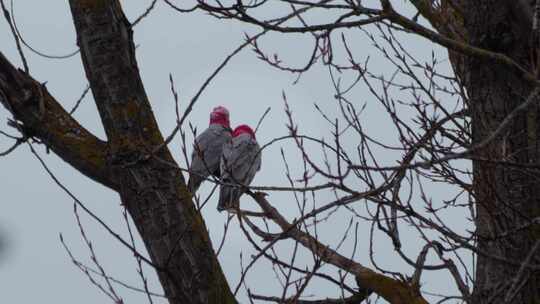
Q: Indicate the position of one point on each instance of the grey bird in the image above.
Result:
(240, 162)
(208, 148)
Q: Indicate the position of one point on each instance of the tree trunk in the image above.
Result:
(507, 197)
(150, 185)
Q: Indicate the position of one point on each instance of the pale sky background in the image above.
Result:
(35, 268)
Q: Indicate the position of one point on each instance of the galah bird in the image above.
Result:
(208, 147)
(240, 161)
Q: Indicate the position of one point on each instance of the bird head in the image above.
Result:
(243, 129)
(220, 115)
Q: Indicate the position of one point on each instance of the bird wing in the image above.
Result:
(207, 150)
(206, 154)
(240, 161)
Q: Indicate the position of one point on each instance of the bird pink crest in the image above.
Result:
(243, 129)
(220, 115)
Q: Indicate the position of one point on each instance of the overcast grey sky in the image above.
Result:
(35, 267)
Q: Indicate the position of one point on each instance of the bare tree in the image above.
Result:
(485, 112)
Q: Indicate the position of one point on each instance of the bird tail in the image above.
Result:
(228, 198)
(194, 183)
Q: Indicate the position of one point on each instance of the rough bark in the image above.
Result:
(39, 115)
(506, 197)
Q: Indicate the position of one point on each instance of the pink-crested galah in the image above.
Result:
(240, 161)
(208, 148)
